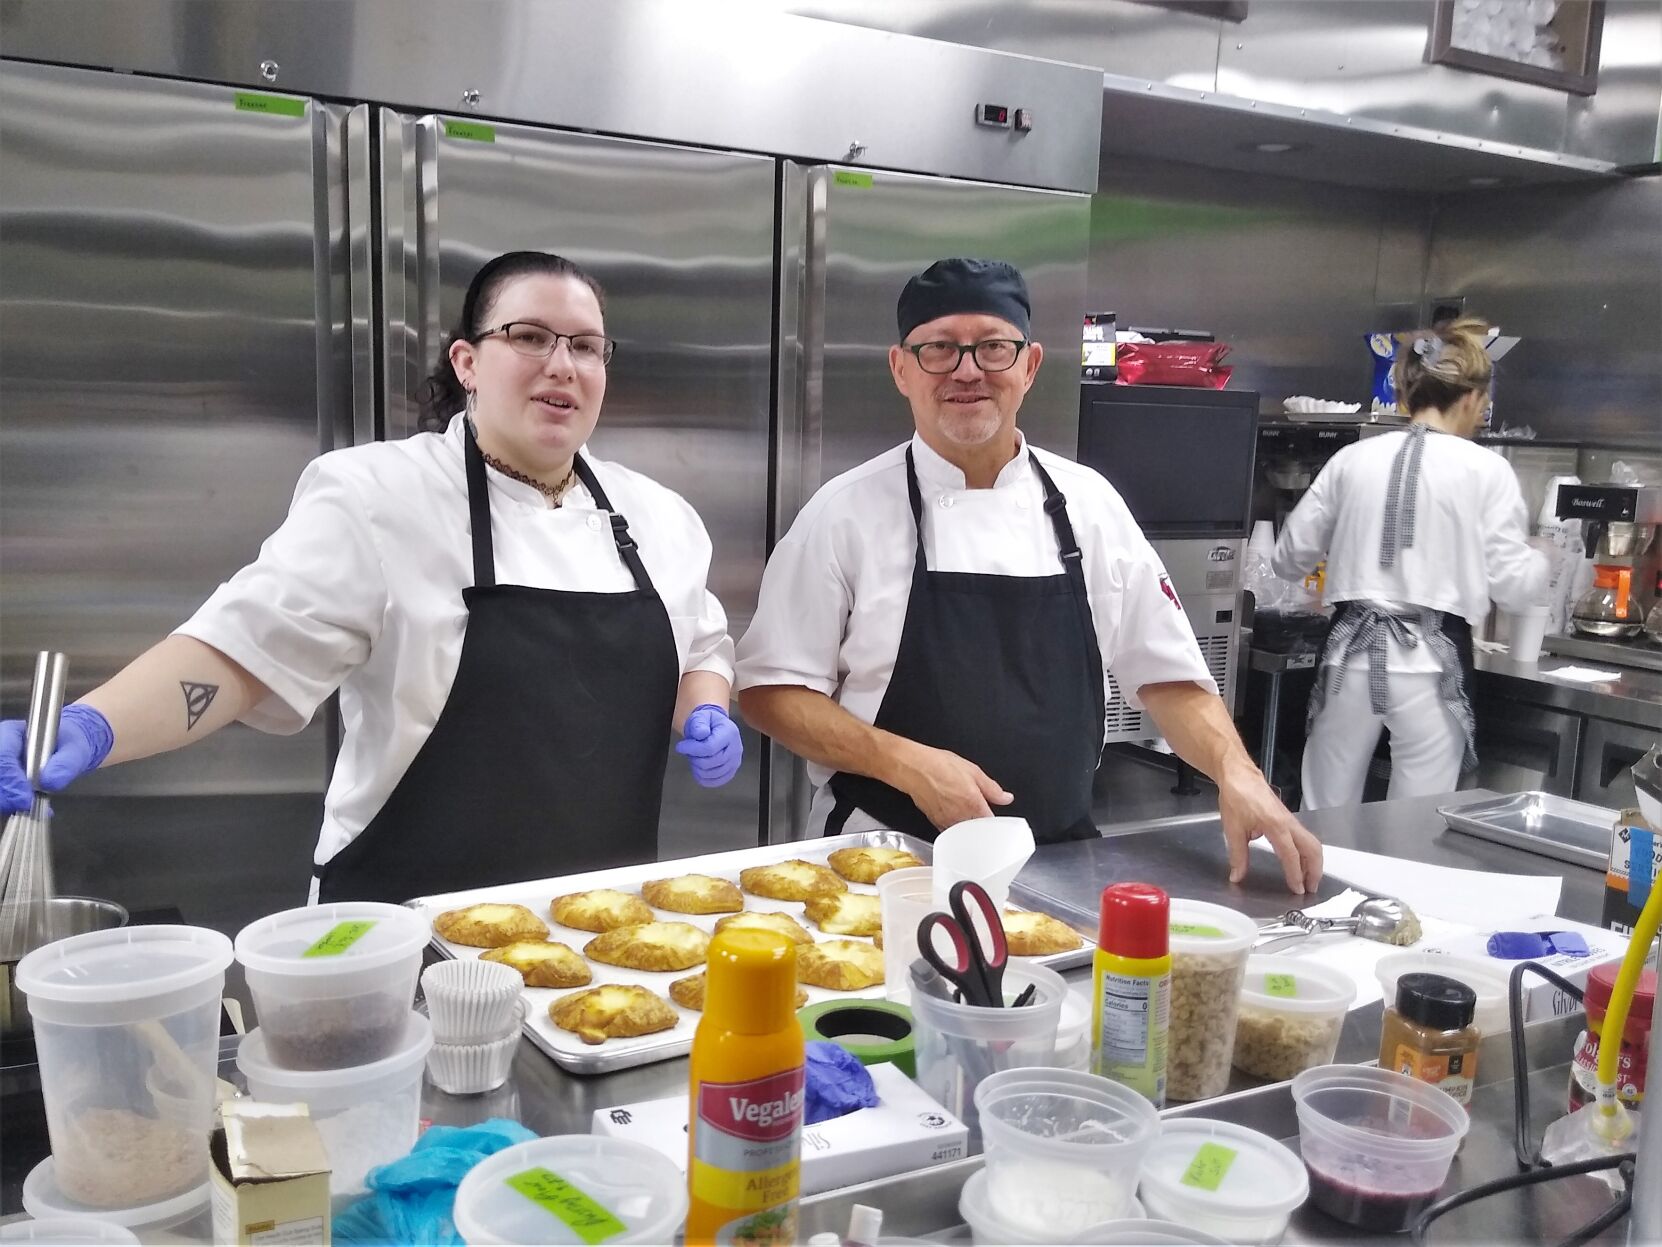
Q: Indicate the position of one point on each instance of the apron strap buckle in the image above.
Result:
(1055, 503)
(1075, 553)
(620, 533)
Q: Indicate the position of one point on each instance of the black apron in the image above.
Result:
(548, 757)
(1003, 671)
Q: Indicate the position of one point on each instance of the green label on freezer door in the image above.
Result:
(845, 177)
(277, 105)
(339, 938)
(475, 131)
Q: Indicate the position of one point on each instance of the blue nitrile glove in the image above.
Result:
(836, 1083)
(84, 740)
(712, 745)
(1518, 945)
(413, 1199)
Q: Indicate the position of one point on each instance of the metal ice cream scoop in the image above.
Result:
(1381, 918)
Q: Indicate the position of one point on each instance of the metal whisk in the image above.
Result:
(26, 846)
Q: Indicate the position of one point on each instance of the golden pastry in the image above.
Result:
(689, 992)
(840, 965)
(1032, 934)
(542, 963)
(868, 865)
(847, 913)
(600, 909)
(693, 894)
(612, 1011)
(795, 880)
(490, 925)
(651, 946)
(780, 924)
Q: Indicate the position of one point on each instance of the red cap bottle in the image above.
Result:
(1136, 919)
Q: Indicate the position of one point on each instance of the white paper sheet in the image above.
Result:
(1581, 675)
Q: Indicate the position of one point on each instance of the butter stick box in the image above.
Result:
(270, 1176)
(905, 1130)
(1633, 843)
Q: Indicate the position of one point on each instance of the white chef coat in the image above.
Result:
(833, 598)
(361, 590)
(1470, 539)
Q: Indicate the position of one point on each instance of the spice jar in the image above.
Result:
(1630, 1064)
(1428, 1034)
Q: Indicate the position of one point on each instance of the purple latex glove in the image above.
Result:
(711, 744)
(835, 1083)
(84, 740)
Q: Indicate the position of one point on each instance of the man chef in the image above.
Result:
(936, 631)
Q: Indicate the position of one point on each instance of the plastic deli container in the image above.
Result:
(1134, 1233)
(958, 1045)
(1209, 949)
(68, 1231)
(1377, 1144)
(1223, 1179)
(127, 1031)
(366, 1115)
(988, 1231)
(1062, 1148)
(572, 1188)
(332, 983)
(1489, 982)
(1291, 1015)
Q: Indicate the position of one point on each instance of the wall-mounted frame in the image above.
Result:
(1577, 24)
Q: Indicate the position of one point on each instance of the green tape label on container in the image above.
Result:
(1281, 985)
(1209, 1167)
(1200, 929)
(277, 105)
(844, 177)
(473, 131)
(582, 1214)
(339, 938)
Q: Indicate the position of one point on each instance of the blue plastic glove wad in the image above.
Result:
(712, 745)
(837, 1083)
(84, 741)
(413, 1199)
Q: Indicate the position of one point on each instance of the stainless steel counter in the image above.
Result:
(1634, 696)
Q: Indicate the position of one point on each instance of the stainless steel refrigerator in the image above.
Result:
(205, 287)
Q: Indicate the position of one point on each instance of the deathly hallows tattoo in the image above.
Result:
(198, 697)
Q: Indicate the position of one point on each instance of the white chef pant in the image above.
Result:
(1427, 745)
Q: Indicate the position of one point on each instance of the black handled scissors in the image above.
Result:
(976, 969)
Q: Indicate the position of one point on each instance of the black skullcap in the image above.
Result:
(959, 286)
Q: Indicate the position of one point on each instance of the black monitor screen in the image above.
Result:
(1183, 470)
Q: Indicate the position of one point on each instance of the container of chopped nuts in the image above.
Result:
(1210, 945)
(1291, 1014)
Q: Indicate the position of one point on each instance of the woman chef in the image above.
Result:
(1420, 529)
(515, 627)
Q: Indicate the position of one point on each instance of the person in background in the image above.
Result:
(936, 632)
(515, 627)
(1421, 529)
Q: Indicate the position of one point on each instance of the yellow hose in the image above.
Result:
(1611, 1122)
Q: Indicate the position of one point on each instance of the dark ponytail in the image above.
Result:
(442, 395)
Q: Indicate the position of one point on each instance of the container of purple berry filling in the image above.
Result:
(1377, 1144)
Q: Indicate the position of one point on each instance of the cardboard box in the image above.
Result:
(1632, 840)
(905, 1130)
(270, 1176)
(1541, 998)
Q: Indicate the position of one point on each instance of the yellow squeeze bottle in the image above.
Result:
(744, 1110)
(1131, 1000)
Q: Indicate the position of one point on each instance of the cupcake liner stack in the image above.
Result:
(476, 1009)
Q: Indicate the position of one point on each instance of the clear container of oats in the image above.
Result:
(118, 1014)
(1210, 945)
(1292, 1012)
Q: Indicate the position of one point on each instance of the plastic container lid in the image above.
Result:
(326, 1090)
(532, 1192)
(1431, 1000)
(976, 1208)
(1219, 1173)
(124, 974)
(1134, 920)
(327, 939)
(68, 1231)
(1201, 927)
(1487, 979)
(43, 1200)
(1289, 985)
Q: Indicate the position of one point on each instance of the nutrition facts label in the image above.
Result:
(1128, 1006)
